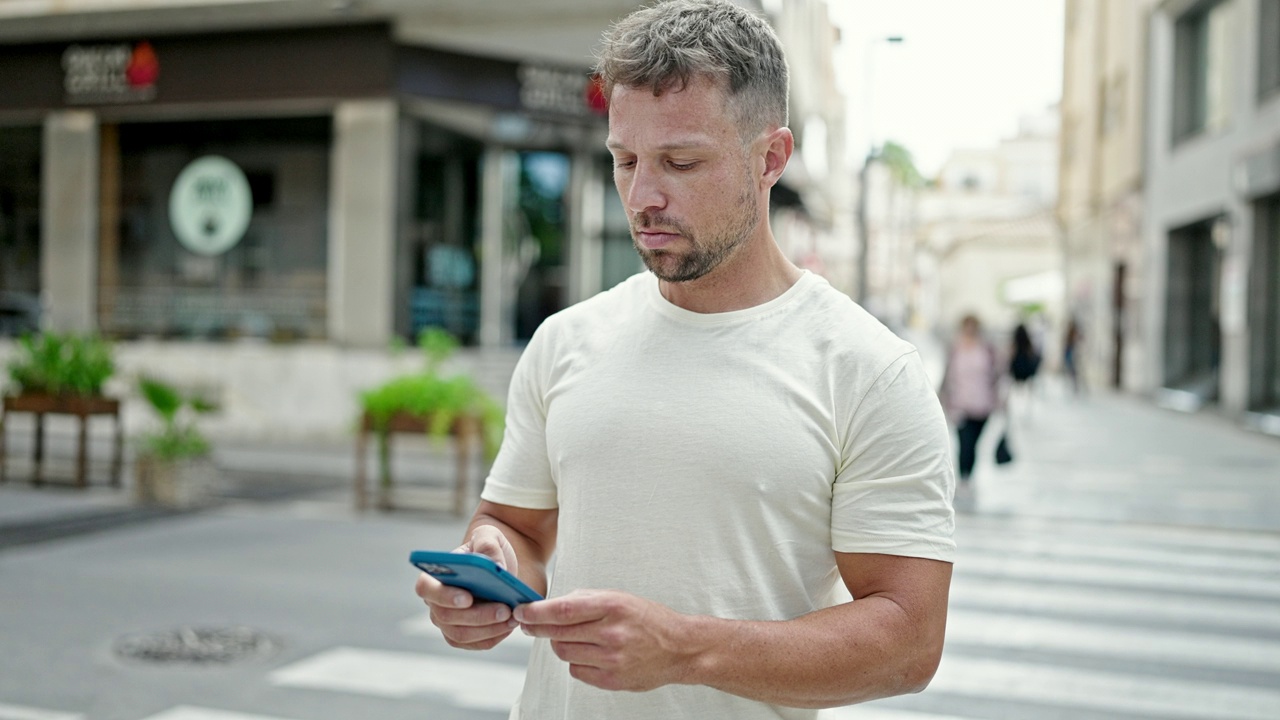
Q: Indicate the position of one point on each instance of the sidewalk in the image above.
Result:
(1101, 457)
(1108, 457)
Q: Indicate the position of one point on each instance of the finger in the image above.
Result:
(480, 615)
(475, 638)
(437, 594)
(586, 654)
(575, 608)
(489, 541)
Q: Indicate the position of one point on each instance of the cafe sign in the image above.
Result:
(110, 73)
(210, 205)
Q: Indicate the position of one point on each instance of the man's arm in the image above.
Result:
(518, 539)
(887, 642)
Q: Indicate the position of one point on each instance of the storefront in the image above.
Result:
(310, 184)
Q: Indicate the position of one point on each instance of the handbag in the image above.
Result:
(1003, 454)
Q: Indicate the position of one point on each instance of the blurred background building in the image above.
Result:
(264, 195)
(1170, 199)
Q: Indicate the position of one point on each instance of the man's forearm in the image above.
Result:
(533, 555)
(858, 651)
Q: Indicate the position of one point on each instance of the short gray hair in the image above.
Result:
(664, 46)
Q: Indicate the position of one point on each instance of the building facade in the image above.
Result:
(1100, 202)
(985, 236)
(262, 197)
(1211, 205)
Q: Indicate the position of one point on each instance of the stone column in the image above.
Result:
(69, 221)
(362, 222)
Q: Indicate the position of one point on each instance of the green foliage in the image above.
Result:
(178, 437)
(441, 401)
(901, 165)
(60, 364)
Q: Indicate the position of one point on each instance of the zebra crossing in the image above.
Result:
(1048, 619)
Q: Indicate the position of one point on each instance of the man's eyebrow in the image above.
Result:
(612, 144)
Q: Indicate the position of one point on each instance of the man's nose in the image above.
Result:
(645, 192)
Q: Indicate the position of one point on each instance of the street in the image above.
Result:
(1126, 565)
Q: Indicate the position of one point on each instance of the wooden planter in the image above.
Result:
(464, 433)
(81, 407)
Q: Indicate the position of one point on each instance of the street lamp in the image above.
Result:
(863, 239)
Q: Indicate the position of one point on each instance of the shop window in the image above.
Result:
(1264, 311)
(1192, 332)
(544, 183)
(268, 281)
(439, 283)
(1268, 48)
(1204, 41)
(19, 230)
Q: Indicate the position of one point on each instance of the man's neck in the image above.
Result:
(756, 274)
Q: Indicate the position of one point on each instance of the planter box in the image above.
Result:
(81, 407)
(465, 434)
(175, 483)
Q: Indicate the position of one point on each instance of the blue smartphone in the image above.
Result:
(476, 574)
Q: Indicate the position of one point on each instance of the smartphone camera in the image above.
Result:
(434, 569)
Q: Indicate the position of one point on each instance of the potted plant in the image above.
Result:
(173, 464)
(430, 402)
(54, 365)
(62, 374)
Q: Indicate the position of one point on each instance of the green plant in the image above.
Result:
(178, 438)
(440, 401)
(62, 364)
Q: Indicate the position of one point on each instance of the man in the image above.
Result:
(711, 447)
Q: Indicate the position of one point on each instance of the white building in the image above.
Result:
(987, 241)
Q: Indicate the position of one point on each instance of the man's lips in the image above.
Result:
(655, 239)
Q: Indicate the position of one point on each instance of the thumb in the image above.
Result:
(489, 541)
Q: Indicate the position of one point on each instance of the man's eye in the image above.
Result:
(683, 166)
(622, 164)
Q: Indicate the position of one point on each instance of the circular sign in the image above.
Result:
(210, 205)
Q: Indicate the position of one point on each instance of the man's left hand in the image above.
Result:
(613, 640)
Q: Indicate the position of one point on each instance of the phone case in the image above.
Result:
(475, 573)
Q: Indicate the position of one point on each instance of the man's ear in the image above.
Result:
(778, 146)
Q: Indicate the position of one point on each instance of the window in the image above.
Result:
(1203, 76)
(269, 283)
(1268, 48)
(19, 230)
(1264, 309)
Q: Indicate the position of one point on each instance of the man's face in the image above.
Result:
(684, 177)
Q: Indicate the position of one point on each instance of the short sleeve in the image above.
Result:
(521, 473)
(893, 490)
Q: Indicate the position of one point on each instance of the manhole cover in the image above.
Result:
(197, 645)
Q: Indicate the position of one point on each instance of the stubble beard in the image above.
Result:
(703, 256)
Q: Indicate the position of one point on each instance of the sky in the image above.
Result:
(964, 74)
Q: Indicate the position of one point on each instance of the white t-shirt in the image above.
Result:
(712, 462)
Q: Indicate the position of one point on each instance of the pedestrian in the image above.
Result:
(1071, 356)
(971, 393)
(1024, 364)
(719, 449)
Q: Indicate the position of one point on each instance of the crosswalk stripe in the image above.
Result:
(1067, 571)
(1114, 604)
(1018, 531)
(1115, 692)
(186, 712)
(472, 684)
(1216, 562)
(22, 712)
(1167, 646)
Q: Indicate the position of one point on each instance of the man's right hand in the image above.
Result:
(465, 623)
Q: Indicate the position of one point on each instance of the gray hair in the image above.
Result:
(666, 45)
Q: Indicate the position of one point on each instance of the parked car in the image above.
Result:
(19, 313)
